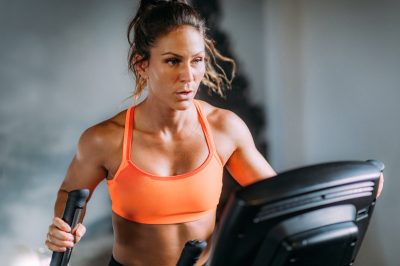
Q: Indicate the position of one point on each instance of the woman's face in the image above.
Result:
(176, 67)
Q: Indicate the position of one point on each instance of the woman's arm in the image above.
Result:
(246, 164)
(86, 170)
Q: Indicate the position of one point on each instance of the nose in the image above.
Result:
(186, 73)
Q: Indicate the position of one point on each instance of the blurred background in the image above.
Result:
(324, 75)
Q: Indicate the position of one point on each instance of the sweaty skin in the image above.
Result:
(103, 144)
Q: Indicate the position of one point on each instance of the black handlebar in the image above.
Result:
(72, 212)
(191, 252)
(76, 202)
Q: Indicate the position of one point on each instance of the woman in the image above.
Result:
(166, 185)
(163, 158)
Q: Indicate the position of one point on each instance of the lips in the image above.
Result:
(184, 92)
(183, 95)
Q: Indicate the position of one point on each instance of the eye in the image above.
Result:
(172, 61)
(198, 60)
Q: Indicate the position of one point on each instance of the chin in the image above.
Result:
(183, 105)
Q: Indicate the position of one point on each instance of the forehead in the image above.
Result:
(182, 40)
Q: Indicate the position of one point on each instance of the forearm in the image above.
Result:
(59, 205)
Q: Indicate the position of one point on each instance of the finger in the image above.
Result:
(78, 232)
(56, 244)
(53, 247)
(62, 225)
(57, 235)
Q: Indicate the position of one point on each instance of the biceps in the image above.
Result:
(83, 174)
(247, 166)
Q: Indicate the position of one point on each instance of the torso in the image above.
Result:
(149, 244)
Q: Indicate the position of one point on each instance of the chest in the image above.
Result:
(169, 156)
(170, 176)
(174, 156)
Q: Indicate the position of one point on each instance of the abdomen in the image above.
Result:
(137, 244)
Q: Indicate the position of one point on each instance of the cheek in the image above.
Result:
(200, 73)
(157, 76)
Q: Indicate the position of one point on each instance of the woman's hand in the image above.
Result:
(60, 236)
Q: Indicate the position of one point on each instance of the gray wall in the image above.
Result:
(332, 83)
(62, 68)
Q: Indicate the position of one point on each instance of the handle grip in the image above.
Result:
(75, 203)
(191, 252)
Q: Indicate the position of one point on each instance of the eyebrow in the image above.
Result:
(177, 55)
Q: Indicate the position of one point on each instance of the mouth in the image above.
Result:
(184, 92)
(184, 95)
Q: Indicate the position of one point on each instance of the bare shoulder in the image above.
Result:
(94, 148)
(100, 138)
(223, 120)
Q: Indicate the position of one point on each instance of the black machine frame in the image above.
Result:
(310, 216)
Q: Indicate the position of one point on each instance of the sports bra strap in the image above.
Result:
(126, 148)
(206, 127)
(129, 118)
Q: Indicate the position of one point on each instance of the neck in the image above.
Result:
(164, 119)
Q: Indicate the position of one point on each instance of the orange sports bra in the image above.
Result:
(146, 198)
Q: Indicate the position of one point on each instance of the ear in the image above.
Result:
(141, 67)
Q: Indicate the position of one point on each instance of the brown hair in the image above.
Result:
(155, 19)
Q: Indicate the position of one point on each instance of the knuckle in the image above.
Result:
(53, 233)
(50, 246)
(66, 237)
(59, 249)
(51, 230)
